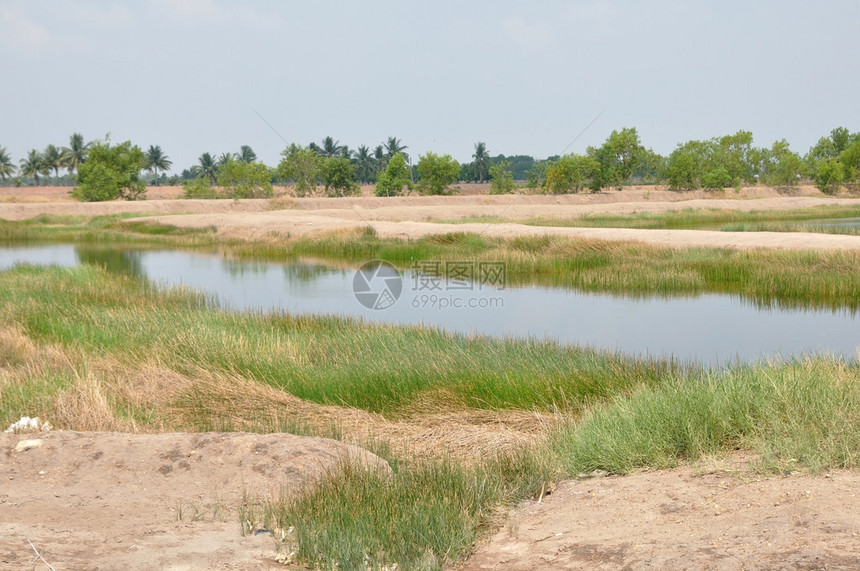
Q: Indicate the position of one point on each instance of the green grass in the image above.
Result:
(796, 414)
(689, 219)
(422, 517)
(765, 277)
(322, 359)
(102, 229)
(799, 226)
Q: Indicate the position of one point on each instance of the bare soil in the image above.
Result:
(107, 500)
(113, 500)
(415, 216)
(683, 520)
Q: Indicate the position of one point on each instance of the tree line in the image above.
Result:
(335, 169)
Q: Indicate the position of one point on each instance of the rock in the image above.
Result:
(25, 445)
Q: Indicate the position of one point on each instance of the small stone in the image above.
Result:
(25, 445)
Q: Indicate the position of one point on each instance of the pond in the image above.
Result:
(711, 329)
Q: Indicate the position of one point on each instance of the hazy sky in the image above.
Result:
(525, 77)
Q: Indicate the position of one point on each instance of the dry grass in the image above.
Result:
(102, 394)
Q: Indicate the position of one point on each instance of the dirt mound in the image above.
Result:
(678, 520)
(151, 501)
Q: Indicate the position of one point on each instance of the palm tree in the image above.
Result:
(364, 160)
(207, 167)
(247, 154)
(76, 153)
(34, 165)
(482, 160)
(225, 158)
(155, 160)
(330, 148)
(394, 146)
(53, 160)
(7, 169)
(379, 159)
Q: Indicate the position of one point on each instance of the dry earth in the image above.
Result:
(112, 500)
(108, 500)
(682, 520)
(413, 216)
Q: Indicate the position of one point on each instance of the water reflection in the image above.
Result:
(126, 262)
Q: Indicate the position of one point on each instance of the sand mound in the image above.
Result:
(150, 501)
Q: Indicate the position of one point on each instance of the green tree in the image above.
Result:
(828, 175)
(34, 165)
(781, 166)
(536, 176)
(7, 169)
(329, 148)
(242, 179)
(223, 159)
(619, 157)
(111, 172)
(571, 173)
(393, 146)
(338, 175)
(437, 173)
(302, 166)
(365, 163)
(501, 178)
(481, 160)
(380, 161)
(53, 160)
(206, 167)
(156, 160)
(850, 159)
(76, 153)
(247, 154)
(394, 178)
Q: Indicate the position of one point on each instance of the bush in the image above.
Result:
(571, 173)
(394, 178)
(338, 174)
(437, 172)
(110, 173)
(242, 179)
(501, 178)
(199, 188)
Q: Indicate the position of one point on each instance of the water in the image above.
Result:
(708, 328)
(841, 223)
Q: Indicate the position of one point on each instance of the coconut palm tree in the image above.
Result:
(225, 158)
(380, 161)
(364, 160)
(330, 148)
(155, 160)
(53, 160)
(394, 146)
(34, 165)
(76, 153)
(7, 169)
(247, 154)
(207, 167)
(482, 160)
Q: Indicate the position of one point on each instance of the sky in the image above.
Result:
(539, 78)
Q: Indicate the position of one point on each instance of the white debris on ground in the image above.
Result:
(27, 424)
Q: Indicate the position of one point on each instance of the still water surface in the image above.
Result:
(709, 328)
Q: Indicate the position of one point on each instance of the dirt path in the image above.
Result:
(676, 520)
